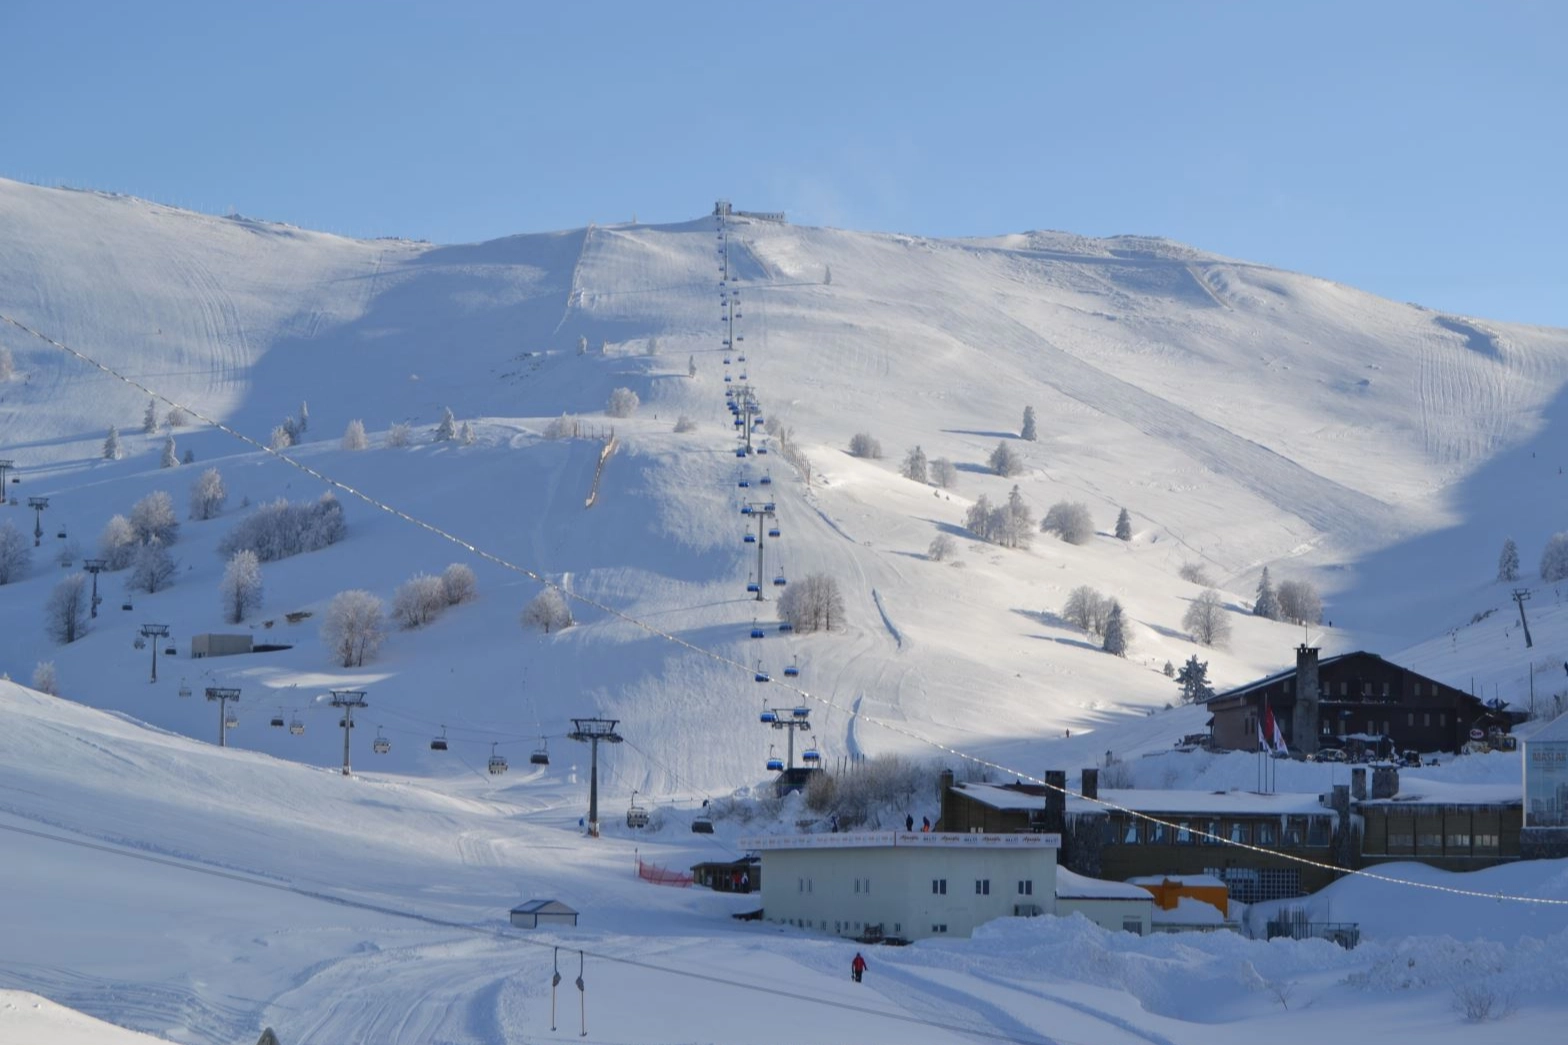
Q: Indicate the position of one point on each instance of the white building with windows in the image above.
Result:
(909, 885)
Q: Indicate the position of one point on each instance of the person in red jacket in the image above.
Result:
(857, 967)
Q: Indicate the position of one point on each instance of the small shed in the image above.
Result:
(1116, 906)
(214, 645)
(729, 876)
(535, 913)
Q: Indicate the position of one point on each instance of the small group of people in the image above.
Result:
(909, 823)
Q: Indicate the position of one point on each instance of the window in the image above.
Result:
(1026, 888)
(1426, 718)
(1183, 832)
(1410, 718)
(1295, 830)
(1130, 833)
(1418, 689)
(1429, 840)
(1385, 691)
(1344, 689)
(898, 927)
(1402, 840)
(939, 886)
(857, 885)
(1318, 832)
(1241, 831)
(1386, 730)
(982, 887)
(939, 928)
(837, 926)
(1487, 842)
(1156, 833)
(1442, 718)
(800, 884)
(1459, 841)
(1366, 689)
(1267, 832)
(1371, 726)
(1133, 925)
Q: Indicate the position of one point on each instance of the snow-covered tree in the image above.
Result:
(304, 415)
(7, 364)
(1115, 638)
(446, 431)
(465, 434)
(685, 424)
(1299, 602)
(827, 275)
(45, 680)
(623, 403)
(1195, 573)
(398, 435)
(281, 438)
(691, 366)
(915, 465)
(1124, 526)
(418, 601)
(117, 545)
(1169, 670)
(1267, 602)
(978, 519)
(189, 457)
(548, 612)
(1508, 561)
(354, 437)
(1086, 609)
(1028, 431)
(1015, 526)
(944, 473)
(1005, 461)
(153, 517)
(15, 553)
(170, 459)
(564, 427)
(176, 418)
(1206, 619)
(1193, 678)
(812, 604)
(354, 627)
(864, 444)
(153, 568)
(582, 346)
(1069, 520)
(65, 614)
(459, 584)
(281, 529)
(150, 418)
(111, 445)
(208, 495)
(651, 347)
(240, 591)
(942, 548)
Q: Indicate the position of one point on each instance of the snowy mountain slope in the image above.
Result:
(1245, 416)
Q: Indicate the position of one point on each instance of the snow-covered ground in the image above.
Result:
(1245, 417)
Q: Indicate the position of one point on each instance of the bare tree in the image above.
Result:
(153, 516)
(153, 568)
(240, 590)
(418, 601)
(1069, 520)
(208, 495)
(117, 545)
(354, 626)
(1005, 461)
(915, 465)
(398, 435)
(944, 473)
(176, 418)
(942, 548)
(864, 444)
(65, 614)
(548, 612)
(281, 438)
(354, 437)
(812, 604)
(1206, 619)
(16, 554)
(44, 678)
(623, 403)
(1195, 573)
(1299, 602)
(1086, 608)
(459, 584)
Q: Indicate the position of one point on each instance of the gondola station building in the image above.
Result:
(904, 885)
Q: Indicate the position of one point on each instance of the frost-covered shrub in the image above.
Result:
(623, 403)
(208, 495)
(280, 529)
(418, 601)
(353, 627)
(1193, 572)
(1069, 520)
(398, 435)
(868, 791)
(563, 427)
(117, 544)
(942, 548)
(685, 424)
(15, 552)
(548, 612)
(864, 444)
(1554, 558)
(459, 584)
(1299, 602)
(354, 437)
(153, 517)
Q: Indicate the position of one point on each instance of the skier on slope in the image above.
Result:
(857, 968)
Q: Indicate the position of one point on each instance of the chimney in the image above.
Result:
(1091, 783)
(944, 784)
(1358, 784)
(1055, 800)
(1304, 716)
(1385, 782)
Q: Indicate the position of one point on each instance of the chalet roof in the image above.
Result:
(543, 907)
(1415, 791)
(1556, 729)
(1326, 662)
(1073, 886)
(1149, 800)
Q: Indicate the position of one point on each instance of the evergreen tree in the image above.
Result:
(1193, 678)
(1124, 526)
(1028, 430)
(1169, 669)
(1267, 603)
(915, 465)
(111, 445)
(447, 429)
(170, 458)
(1004, 461)
(304, 415)
(1508, 561)
(150, 418)
(465, 434)
(354, 437)
(1115, 641)
(691, 366)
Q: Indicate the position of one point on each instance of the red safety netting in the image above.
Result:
(662, 875)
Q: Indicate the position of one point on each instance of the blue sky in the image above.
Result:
(1416, 150)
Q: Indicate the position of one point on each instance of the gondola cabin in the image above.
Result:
(439, 743)
(381, 746)
(756, 631)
